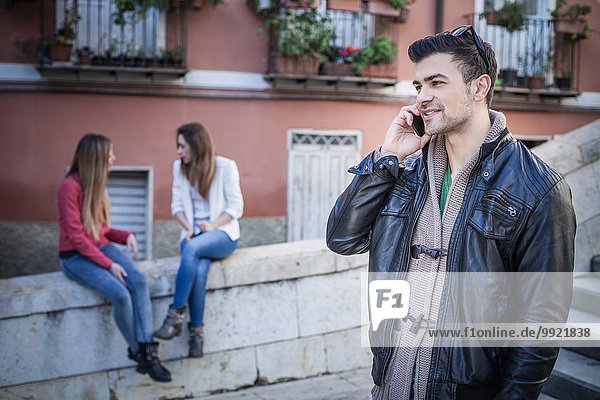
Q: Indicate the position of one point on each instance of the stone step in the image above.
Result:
(574, 377)
(580, 316)
(586, 292)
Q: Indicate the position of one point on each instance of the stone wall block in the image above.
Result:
(344, 351)
(88, 387)
(191, 377)
(291, 359)
(278, 262)
(338, 305)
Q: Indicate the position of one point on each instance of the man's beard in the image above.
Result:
(456, 123)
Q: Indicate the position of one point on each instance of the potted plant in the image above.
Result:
(376, 59)
(302, 37)
(489, 13)
(134, 8)
(60, 49)
(399, 9)
(512, 16)
(340, 59)
(84, 55)
(536, 65)
(344, 5)
(569, 19)
(563, 67)
(302, 3)
(508, 76)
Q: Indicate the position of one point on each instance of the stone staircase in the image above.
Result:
(576, 374)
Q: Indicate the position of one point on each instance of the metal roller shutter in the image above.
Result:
(130, 191)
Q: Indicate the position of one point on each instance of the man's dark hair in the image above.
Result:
(463, 50)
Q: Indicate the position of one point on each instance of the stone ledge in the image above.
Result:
(247, 266)
(572, 151)
(54, 329)
(215, 372)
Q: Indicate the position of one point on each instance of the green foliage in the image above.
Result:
(512, 16)
(379, 50)
(135, 8)
(574, 12)
(303, 34)
(66, 33)
(535, 63)
(398, 3)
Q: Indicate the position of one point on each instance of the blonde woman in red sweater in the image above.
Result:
(88, 257)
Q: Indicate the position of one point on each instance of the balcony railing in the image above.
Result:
(91, 35)
(353, 31)
(534, 57)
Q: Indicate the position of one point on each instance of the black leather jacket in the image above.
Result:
(517, 215)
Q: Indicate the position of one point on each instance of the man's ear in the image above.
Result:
(481, 87)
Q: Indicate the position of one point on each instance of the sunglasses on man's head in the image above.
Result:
(469, 28)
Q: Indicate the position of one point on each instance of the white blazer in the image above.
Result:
(224, 195)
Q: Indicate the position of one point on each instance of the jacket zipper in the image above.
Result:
(412, 231)
(452, 246)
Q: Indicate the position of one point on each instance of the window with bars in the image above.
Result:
(97, 28)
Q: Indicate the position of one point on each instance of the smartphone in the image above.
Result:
(418, 125)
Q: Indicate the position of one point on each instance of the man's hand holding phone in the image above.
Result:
(401, 139)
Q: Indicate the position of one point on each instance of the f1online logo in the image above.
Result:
(388, 299)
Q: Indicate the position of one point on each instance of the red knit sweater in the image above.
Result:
(72, 235)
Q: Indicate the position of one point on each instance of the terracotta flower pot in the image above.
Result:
(302, 3)
(334, 69)
(383, 8)
(490, 17)
(299, 66)
(536, 82)
(60, 51)
(387, 71)
(344, 5)
(567, 25)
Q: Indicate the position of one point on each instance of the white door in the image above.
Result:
(317, 173)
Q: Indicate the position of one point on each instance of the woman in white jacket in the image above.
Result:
(207, 202)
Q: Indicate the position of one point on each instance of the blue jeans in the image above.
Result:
(131, 306)
(196, 255)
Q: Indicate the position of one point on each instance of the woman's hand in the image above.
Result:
(118, 272)
(132, 245)
(189, 234)
(206, 226)
(400, 139)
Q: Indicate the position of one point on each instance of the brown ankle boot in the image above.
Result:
(195, 341)
(171, 327)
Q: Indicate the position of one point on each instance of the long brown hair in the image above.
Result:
(91, 162)
(200, 171)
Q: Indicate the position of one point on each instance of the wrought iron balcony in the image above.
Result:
(538, 58)
(341, 62)
(95, 37)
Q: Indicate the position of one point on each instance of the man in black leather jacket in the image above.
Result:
(464, 197)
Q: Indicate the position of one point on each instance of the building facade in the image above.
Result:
(294, 120)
